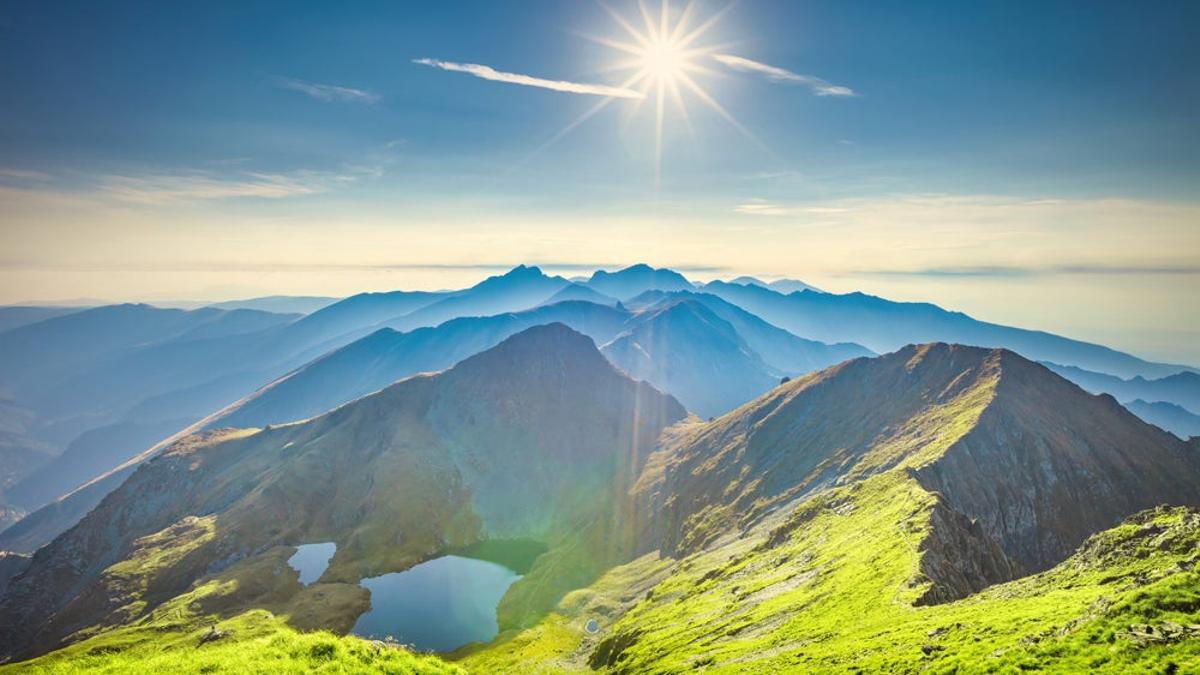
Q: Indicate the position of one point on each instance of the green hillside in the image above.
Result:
(255, 642)
(831, 589)
(828, 589)
(938, 509)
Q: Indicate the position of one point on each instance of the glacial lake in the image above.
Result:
(310, 560)
(445, 603)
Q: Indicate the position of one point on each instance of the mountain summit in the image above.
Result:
(537, 438)
(1036, 461)
(636, 279)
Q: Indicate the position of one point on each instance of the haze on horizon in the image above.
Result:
(1030, 164)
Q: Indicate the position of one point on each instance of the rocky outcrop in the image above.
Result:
(1048, 464)
(11, 564)
(958, 558)
(1025, 464)
(854, 419)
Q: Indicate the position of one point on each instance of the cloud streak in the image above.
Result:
(776, 74)
(176, 188)
(1005, 271)
(24, 175)
(489, 73)
(190, 187)
(762, 207)
(328, 92)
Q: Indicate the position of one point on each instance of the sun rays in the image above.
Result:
(662, 59)
(660, 65)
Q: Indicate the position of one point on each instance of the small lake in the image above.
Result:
(310, 560)
(445, 603)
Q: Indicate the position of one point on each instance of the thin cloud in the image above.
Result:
(489, 73)
(155, 188)
(172, 188)
(25, 175)
(762, 207)
(328, 92)
(1033, 271)
(775, 74)
(246, 266)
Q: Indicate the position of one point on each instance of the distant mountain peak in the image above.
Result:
(519, 273)
(524, 270)
(555, 334)
(548, 345)
(637, 279)
(782, 286)
(575, 291)
(687, 308)
(637, 269)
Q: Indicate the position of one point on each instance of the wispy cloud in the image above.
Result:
(1035, 270)
(762, 207)
(328, 92)
(165, 188)
(922, 237)
(24, 175)
(489, 73)
(776, 74)
(194, 187)
(350, 266)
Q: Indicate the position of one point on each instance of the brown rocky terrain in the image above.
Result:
(1025, 464)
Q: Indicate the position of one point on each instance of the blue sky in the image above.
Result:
(1004, 158)
(988, 96)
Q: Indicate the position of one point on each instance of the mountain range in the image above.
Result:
(884, 325)
(933, 479)
(641, 340)
(215, 360)
(1182, 389)
(1174, 418)
(724, 476)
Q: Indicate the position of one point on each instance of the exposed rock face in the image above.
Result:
(854, 419)
(11, 564)
(959, 558)
(529, 439)
(1026, 464)
(1047, 465)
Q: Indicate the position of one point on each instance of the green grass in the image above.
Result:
(833, 592)
(828, 588)
(168, 638)
(258, 642)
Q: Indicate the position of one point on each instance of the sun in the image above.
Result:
(662, 59)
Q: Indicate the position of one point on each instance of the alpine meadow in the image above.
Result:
(615, 336)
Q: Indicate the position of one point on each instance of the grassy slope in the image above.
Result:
(832, 591)
(827, 587)
(258, 643)
(168, 639)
